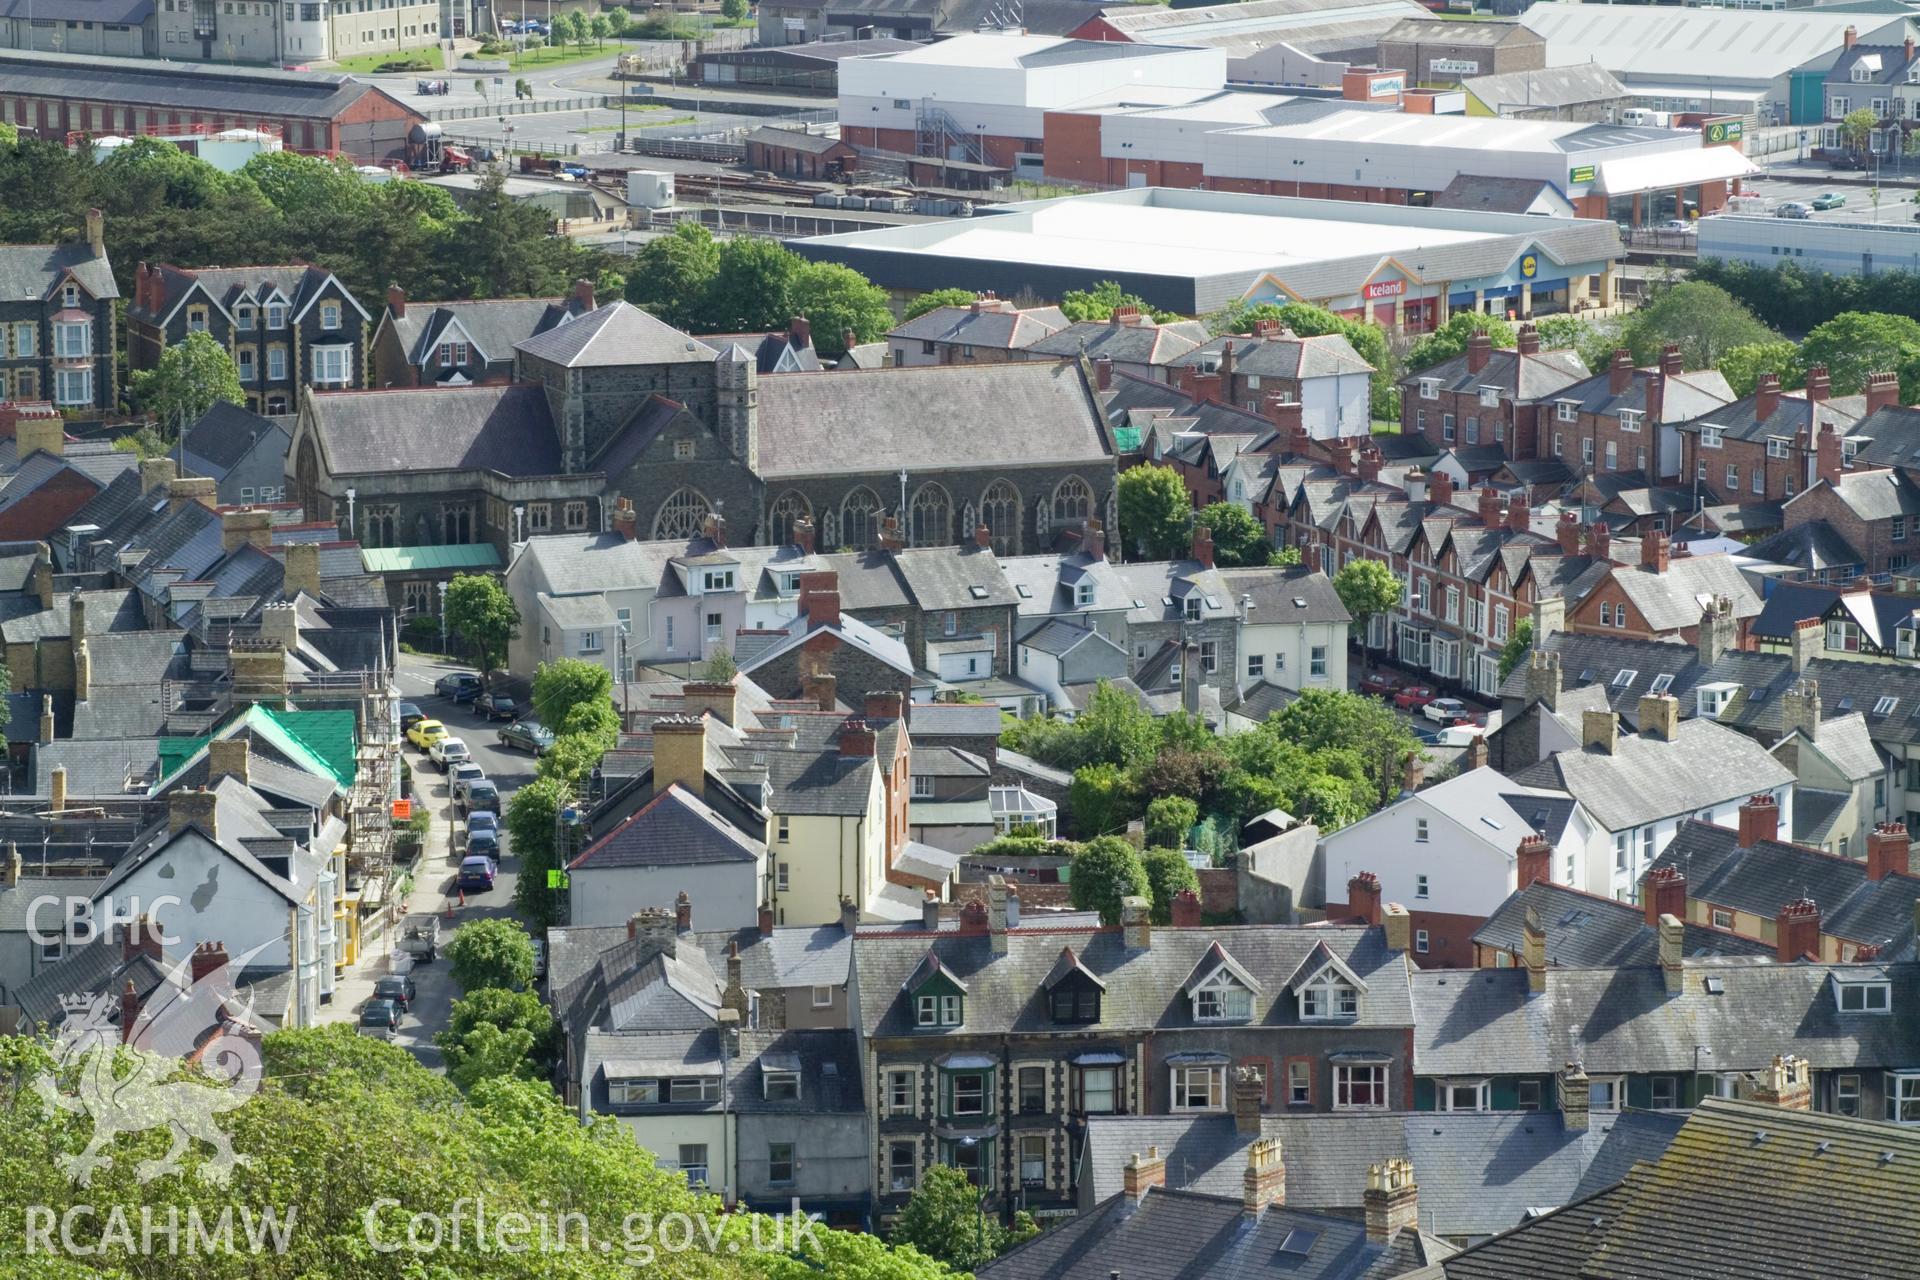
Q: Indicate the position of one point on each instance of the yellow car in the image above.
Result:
(426, 733)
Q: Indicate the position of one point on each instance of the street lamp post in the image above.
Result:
(519, 527)
(350, 524)
(443, 615)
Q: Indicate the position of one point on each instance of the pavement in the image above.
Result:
(439, 861)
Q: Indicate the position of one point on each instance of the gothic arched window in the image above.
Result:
(681, 514)
(1000, 512)
(1072, 503)
(859, 520)
(791, 506)
(930, 517)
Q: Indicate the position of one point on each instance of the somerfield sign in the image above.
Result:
(1384, 289)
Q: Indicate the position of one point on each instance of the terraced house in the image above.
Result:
(1486, 398)
(987, 1044)
(57, 338)
(287, 327)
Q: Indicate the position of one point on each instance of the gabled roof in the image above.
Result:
(221, 437)
(1142, 343)
(929, 969)
(1584, 930)
(1541, 376)
(674, 830)
(1217, 959)
(1069, 963)
(1674, 601)
(492, 325)
(1320, 959)
(982, 326)
(506, 429)
(34, 271)
(618, 333)
(1646, 778)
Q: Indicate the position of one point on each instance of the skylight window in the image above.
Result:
(978, 593)
(1885, 706)
(1661, 683)
(1624, 677)
(1844, 705)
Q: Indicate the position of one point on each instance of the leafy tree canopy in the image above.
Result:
(562, 685)
(1155, 513)
(934, 299)
(1239, 541)
(494, 952)
(1098, 303)
(1519, 640)
(1703, 320)
(484, 615)
(1168, 875)
(1450, 339)
(1103, 871)
(1856, 343)
(189, 378)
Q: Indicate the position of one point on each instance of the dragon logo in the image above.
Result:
(192, 1053)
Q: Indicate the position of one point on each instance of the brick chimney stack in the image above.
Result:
(856, 739)
(1363, 897)
(1533, 950)
(1888, 851)
(208, 959)
(1883, 389)
(1535, 859)
(1568, 533)
(1620, 372)
(1370, 464)
(982, 536)
(1527, 342)
(1787, 1082)
(1265, 1179)
(973, 919)
(626, 521)
(1759, 820)
(1819, 387)
(1671, 941)
(583, 294)
(1479, 350)
(1093, 540)
(1827, 453)
(1391, 1200)
(820, 597)
(1203, 545)
(1441, 489)
(129, 1012)
(140, 937)
(682, 912)
(1519, 512)
(1600, 541)
(799, 333)
(1664, 893)
(803, 535)
(1186, 910)
(1249, 1096)
(1103, 373)
(397, 301)
(1143, 1172)
(1493, 508)
(1797, 931)
(1655, 551)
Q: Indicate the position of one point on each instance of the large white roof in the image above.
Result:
(1653, 42)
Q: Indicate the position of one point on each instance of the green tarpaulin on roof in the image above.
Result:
(1126, 439)
(175, 752)
(324, 738)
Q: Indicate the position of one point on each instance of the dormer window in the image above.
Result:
(244, 317)
(716, 580)
(1709, 700)
(1073, 990)
(1567, 411)
(937, 1011)
(1075, 1006)
(276, 315)
(1429, 388)
(70, 296)
(1221, 990)
(1867, 995)
(1490, 397)
(1083, 595)
(1630, 419)
(1862, 74)
(1329, 998)
(1710, 437)
(939, 998)
(1193, 608)
(779, 1086)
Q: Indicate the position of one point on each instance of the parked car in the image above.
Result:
(1829, 200)
(1792, 209)
(482, 797)
(1445, 710)
(1457, 735)
(462, 775)
(483, 820)
(1413, 697)
(495, 706)
(398, 988)
(539, 958)
(448, 752)
(410, 715)
(477, 871)
(380, 1018)
(1678, 227)
(425, 733)
(527, 735)
(1380, 684)
(484, 841)
(461, 686)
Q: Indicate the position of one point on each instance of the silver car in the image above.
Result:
(1793, 209)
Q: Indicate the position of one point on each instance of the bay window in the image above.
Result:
(332, 365)
(73, 386)
(1360, 1088)
(72, 340)
(967, 1092)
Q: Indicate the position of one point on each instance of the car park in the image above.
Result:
(527, 735)
(477, 871)
(398, 988)
(1413, 697)
(410, 715)
(495, 706)
(461, 686)
(448, 752)
(427, 732)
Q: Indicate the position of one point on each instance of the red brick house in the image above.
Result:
(1762, 447)
(1488, 397)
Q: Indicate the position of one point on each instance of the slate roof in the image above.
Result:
(1286, 355)
(1587, 931)
(982, 327)
(1675, 600)
(1144, 343)
(1844, 742)
(1878, 614)
(1791, 417)
(1646, 779)
(1525, 378)
(1814, 545)
(1573, 85)
(990, 416)
(246, 91)
(1686, 396)
(1005, 992)
(791, 956)
(1766, 877)
(964, 576)
(1745, 1191)
(1170, 1234)
(1622, 1020)
(34, 271)
(1876, 495)
(954, 720)
(1294, 594)
(674, 829)
(493, 325)
(219, 438)
(227, 287)
(1057, 637)
(1491, 195)
(502, 428)
(618, 333)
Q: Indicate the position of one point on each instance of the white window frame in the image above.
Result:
(1222, 999)
(1328, 999)
(901, 1087)
(1208, 1082)
(1615, 1088)
(1447, 1095)
(72, 340)
(1566, 411)
(1863, 997)
(1903, 1097)
(1429, 388)
(332, 365)
(1347, 1075)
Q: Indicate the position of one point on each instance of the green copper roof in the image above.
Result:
(466, 555)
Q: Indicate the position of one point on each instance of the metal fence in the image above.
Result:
(523, 107)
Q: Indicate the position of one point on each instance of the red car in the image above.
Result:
(1381, 684)
(1413, 697)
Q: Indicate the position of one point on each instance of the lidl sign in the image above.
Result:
(1529, 266)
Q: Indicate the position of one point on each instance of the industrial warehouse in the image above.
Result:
(1402, 267)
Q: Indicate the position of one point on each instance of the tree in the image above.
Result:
(1369, 342)
(1368, 589)
(733, 10)
(507, 249)
(1450, 339)
(494, 952)
(946, 1221)
(1857, 125)
(934, 299)
(618, 22)
(1856, 343)
(189, 379)
(1169, 819)
(1559, 332)
(1100, 800)
(494, 1032)
(752, 287)
(720, 668)
(1113, 728)
(532, 815)
(1703, 320)
(9, 136)
(1239, 541)
(599, 26)
(836, 300)
(1168, 874)
(1155, 512)
(1103, 871)
(1743, 365)
(1335, 720)
(1519, 640)
(1098, 303)
(562, 685)
(484, 615)
(672, 274)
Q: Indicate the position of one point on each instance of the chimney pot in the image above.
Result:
(1136, 924)
(583, 294)
(1391, 1200)
(1889, 851)
(1363, 897)
(1664, 893)
(1186, 910)
(1797, 931)
(1479, 350)
(1203, 545)
(1759, 820)
(397, 301)
(1249, 1098)
(1535, 860)
(1766, 396)
(766, 922)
